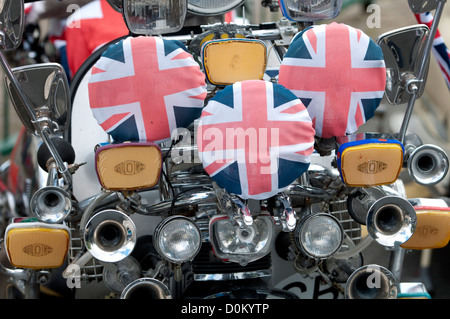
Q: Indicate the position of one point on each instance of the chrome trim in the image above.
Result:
(233, 276)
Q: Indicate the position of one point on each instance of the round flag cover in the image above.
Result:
(143, 88)
(339, 74)
(255, 138)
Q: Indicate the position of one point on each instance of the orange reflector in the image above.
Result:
(370, 162)
(128, 166)
(37, 245)
(227, 61)
(432, 230)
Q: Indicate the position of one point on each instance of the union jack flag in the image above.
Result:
(440, 50)
(255, 138)
(143, 88)
(339, 74)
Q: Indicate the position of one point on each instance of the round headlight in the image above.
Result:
(212, 7)
(319, 235)
(178, 239)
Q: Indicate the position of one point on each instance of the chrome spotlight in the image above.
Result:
(146, 288)
(371, 282)
(51, 204)
(319, 235)
(110, 235)
(178, 239)
(391, 221)
(428, 164)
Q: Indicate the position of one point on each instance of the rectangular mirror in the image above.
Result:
(12, 23)
(152, 17)
(46, 87)
(403, 51)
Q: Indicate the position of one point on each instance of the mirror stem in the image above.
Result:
(412, 86)
(43, 133)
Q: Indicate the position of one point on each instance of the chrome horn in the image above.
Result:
(146, 288)
(391, 221)
(110, 235)
(51, 204)
(371, 282)
(428, 164)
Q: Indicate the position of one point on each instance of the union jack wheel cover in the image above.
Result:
(255, 138)
(143, 88)
(339, 74)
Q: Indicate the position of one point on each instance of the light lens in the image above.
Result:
(36, 245)
(241, 245)
(128, 166)
(212, 7)
(319, 235)
(154, 16)
(233, 60)
(370, 162)
(310, 10)
(178, 239)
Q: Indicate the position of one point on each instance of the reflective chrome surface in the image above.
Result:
(422, 6)
(146, 288)
(371, 282)
(428, 164)
(403, 51)
(47, 90)
(110, 235)
(11, 23)
(391, 221)
(51, 204)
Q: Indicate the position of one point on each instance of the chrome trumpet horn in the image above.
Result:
(110, 235)
(371, 282)
(428, 164)
(51, 204)
(146, 288)
(391, 221)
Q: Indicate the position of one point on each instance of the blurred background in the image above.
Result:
(431, 119)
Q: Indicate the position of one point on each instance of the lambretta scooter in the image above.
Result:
(171, 237)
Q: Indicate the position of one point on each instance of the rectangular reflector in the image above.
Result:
(128, 166)
(228, 61)
(36, 245)
(433, 225)
(370, 162)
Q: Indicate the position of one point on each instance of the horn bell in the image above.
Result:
(371, 282)
(391, 221)
(110, 235)
(428, 164)
(51, 204)
(146, 288)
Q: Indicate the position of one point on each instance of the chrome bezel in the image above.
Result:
(161, 227)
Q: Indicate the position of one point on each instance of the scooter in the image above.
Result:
(160, 214)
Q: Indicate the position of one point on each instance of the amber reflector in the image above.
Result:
(128, 166)
(432, 230)
(228, 61)
(37, 245)
(370, 164)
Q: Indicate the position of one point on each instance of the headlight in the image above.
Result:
(212, 7)
(319, 235)
(241, 245)
(178, 239)
(154, 16)
(128, 166)
(310, 10)
(36, 245)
